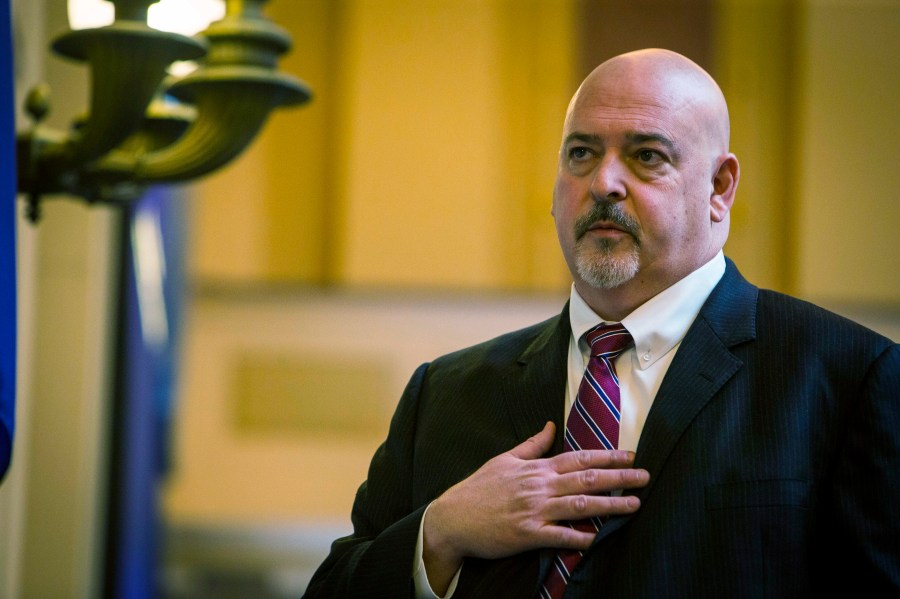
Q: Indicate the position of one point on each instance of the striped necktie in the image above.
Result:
(593, 423)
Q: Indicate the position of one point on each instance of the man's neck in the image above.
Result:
(616, 303)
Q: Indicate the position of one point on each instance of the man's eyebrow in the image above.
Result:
(587, 138)
(633, 138)
(640, 138)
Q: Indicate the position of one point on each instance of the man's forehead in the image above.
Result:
(648, 97)
(625, 113)
(628, 122)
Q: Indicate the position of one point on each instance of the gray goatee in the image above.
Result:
(595, 260)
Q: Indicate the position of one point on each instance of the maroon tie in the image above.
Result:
(593, 424)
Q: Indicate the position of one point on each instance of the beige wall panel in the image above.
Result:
(69, 402)
(464, 101)
(228, 238)
(299, 147)
(424, 153)
(850, 214)
(69, 263)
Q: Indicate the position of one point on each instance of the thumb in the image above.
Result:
(536, 446)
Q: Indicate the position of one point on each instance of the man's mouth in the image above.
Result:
(606, 226)
(606, 219)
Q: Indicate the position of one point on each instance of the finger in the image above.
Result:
(536, 446)
(573, 461)
(597, 480)
(563, 536)
(578, 507)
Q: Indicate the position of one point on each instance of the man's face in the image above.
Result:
(635, 176)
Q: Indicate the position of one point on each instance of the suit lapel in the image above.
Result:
(534, 391)
(701, 367)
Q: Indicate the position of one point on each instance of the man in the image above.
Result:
(758, 449)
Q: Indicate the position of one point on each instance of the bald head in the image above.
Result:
(645, 180)
(665, 79)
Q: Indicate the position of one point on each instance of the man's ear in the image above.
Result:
(724, 185)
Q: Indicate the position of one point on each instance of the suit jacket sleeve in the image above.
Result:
(372, 562)
(866, 486)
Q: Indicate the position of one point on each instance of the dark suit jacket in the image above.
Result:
(773, 448)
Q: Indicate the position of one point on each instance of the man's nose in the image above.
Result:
(608, 183)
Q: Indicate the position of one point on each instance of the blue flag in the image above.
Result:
(7, 241)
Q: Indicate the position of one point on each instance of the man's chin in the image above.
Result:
(607, 271)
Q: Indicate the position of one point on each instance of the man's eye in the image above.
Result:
(578, 153)
(648, 156)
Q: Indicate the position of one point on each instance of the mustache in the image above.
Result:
(608, 212)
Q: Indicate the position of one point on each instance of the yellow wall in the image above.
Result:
(812, 88)
(425, 159)
(754, 62)
(845, 160)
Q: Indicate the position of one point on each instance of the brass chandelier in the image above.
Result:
(146, 126)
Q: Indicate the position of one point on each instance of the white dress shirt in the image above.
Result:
(657, 327)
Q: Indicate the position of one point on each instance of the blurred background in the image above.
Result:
(402, 214)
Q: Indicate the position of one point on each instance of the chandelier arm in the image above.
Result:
(128, 63)
(231, 106)
(221, 132)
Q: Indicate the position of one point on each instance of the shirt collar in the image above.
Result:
(661, 322)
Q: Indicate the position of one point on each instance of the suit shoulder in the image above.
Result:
(793, 316)
(506, 348)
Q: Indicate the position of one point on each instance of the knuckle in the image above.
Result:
(579, 504)
(563, 538)
(588, 478)
(583, 458)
